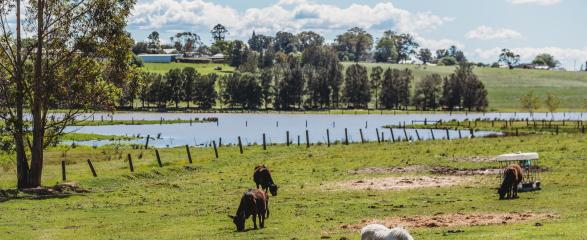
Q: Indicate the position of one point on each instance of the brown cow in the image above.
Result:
(262, 177)
(254, 202)
(512, 176)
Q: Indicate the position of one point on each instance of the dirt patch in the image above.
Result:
(465, 172)
(433, 170)
(377, 170)
(399, 183)
(474, 159)
(454, 220)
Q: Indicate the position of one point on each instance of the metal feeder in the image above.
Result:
(530, 163)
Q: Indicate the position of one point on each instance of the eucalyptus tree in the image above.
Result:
(205, 94)
(186, 41)
(376, 74)
(219, 32)
(356, 86)
(76, 59)
(175, 80)
(354, 44)
(509, 58)
(428, 92)
(190, 77)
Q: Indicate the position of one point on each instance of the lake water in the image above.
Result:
(250, 127)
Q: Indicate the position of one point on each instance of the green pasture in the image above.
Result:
(192, 201)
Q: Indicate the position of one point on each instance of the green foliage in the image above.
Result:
(376, 79)
(356, 86)
(546, 59)
(425, 55)
(552, 102)
(428, 92)
(219, 32)
(286, 42)
(395, 88)
(530, 101)
(509, 57)
(354, 44)
(241, 90)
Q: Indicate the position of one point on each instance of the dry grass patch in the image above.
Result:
(400, 183)
(454, 220)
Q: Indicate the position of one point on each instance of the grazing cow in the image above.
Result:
(254, 202)
(380, 232)
(262, 177)
(512, 176)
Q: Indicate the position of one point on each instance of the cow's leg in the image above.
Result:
(262, 220)
(516, 191)
(255, 221)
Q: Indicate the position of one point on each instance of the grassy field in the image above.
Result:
(506, 86)
(207, 68)
(191, 201)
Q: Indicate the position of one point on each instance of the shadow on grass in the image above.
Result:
(59, 191)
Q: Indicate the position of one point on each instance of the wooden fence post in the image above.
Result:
(377, 132)
(264, 142)
(92, 168)
(132, 169)
(361, 132)
(460, 134)
(392, 136)
(158, 158)
(240, 144)
(147, 143)
(187, 149)
(472, 133)
(63, 176)
(307, 139)
(287, 138)
(406, 134)
(299, 140)
(432, 133)
(418, 135)
(447, 134)
(346, 137)
(215, 149)
(328, 137)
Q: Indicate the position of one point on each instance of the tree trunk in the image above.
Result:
(22, 166)
(37, 112)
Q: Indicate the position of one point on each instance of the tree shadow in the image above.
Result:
(39, 193)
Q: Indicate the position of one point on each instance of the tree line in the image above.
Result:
(312, 83)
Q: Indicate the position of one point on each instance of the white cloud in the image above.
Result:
(567, 56)
(537, 2)
(286, 15)
(488, 33)
(435, 44)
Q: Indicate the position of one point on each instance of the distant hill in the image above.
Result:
(506, 86)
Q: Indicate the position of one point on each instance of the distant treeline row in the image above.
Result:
(313, 80)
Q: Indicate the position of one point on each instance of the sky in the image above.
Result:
(480, 27)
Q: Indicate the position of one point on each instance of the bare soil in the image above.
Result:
(433, 170)
(474, 159)
(399, 183)
(453, 220)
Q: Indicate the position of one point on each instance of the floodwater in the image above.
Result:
(251, 127)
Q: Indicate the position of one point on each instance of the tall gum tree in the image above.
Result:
(75, 58)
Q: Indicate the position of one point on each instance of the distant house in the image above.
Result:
(158, 58)
(170, 51)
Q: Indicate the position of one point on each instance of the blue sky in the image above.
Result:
(480, 27)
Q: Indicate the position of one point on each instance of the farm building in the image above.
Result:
(158, 58)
